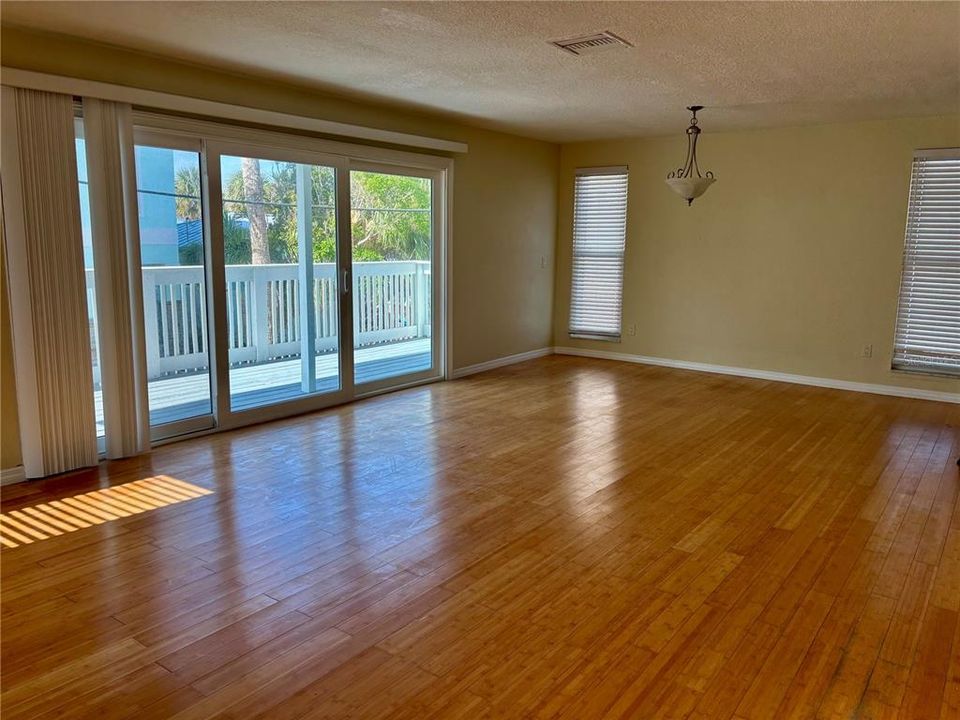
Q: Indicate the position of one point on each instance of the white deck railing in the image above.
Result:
(392, 303)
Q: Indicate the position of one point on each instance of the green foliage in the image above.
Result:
(390, 215)
(390, 219)
(186, 185)
(236, 241)
(191, 255)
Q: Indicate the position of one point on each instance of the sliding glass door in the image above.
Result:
(394, 255)
(277, 235)
(279, 280)
(174, 275)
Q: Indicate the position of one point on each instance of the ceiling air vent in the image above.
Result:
(590, 43)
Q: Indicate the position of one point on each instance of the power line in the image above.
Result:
(270, 203)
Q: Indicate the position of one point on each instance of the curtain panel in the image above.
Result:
(47, 285)
(111, 171)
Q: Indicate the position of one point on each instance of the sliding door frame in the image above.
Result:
(227, 416)
(207, 421)
(218, 139)
(438, 286)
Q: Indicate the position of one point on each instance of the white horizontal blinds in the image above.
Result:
(928, 320)
(599, 231)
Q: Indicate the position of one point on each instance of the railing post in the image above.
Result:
(258, 295)
(151, 329)
(94, 320)
(357, 296)
(307, 319)
(420, 300)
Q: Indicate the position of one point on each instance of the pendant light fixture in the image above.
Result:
(687, 181)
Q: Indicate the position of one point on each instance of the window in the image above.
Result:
(87, 232)
(173, 272)
(599, 231)
(928, 320)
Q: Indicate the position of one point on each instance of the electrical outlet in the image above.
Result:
(543, 262)
(631, 329)
(867, 351)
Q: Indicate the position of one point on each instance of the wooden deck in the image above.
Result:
(185, 396)
(564, 538)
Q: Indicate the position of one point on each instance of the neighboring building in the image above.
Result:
(161, 235)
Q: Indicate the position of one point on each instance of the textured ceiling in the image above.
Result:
(751, 64)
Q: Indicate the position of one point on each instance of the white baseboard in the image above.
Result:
(9, 476)
(500, 362)
(767, 375)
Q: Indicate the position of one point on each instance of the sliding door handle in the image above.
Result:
(345, 285)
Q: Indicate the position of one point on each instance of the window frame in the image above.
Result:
(911, 227)
(585, 333)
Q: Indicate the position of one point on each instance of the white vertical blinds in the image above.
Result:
(928, 319)
(599, 232)
(47, 286)
(116, 249)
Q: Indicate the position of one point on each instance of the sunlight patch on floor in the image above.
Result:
(56, 517)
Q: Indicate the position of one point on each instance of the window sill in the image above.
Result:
(926, 372)
(588, 336)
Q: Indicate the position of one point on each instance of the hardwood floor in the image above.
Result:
(563, 538)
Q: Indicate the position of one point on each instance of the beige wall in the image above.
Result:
(789, 263)
(504, 216)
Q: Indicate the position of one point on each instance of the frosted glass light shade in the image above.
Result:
(690, 188)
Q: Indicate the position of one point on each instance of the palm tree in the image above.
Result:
(186, 185)
(253, 195)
